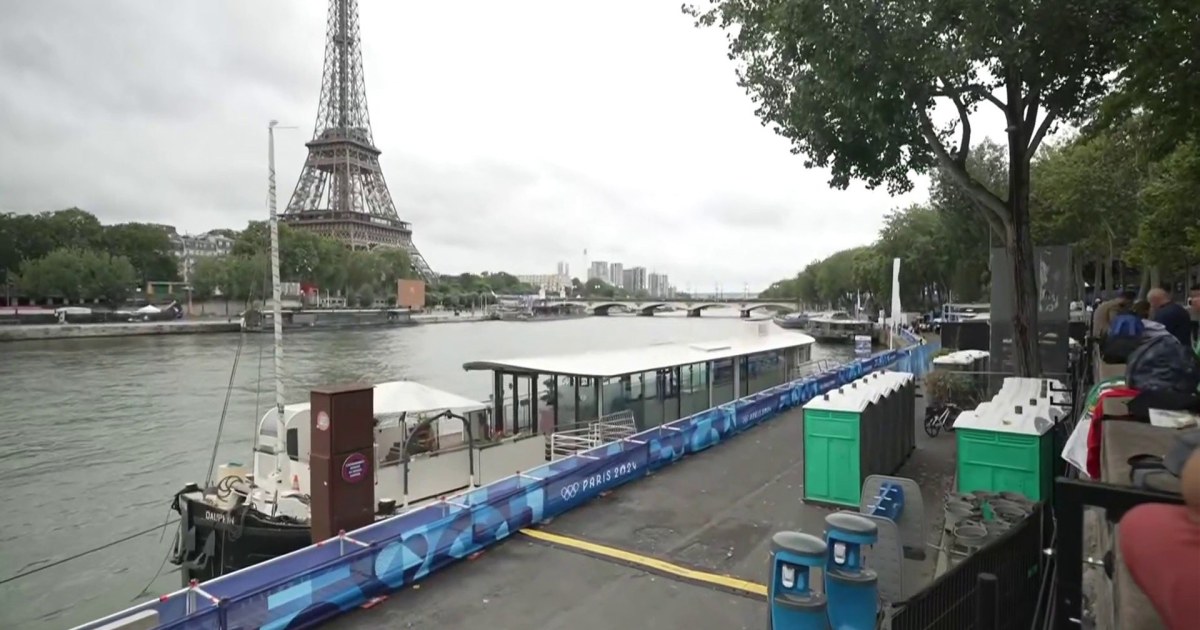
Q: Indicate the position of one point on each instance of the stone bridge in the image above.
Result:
(694, 308)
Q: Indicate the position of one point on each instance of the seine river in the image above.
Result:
(98, 434)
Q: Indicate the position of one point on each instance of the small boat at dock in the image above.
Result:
(426, 444)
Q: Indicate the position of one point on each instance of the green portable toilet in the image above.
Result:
(843, 441)
(1005, 444)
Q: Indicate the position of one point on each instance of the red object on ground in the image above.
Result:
(1096, 430)
(1161, 546)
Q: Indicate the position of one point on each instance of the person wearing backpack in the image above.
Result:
(1125, 333)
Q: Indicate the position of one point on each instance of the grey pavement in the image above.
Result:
(714, 511)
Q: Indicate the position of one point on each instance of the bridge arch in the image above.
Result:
(695, 309)
(778, 307)
(648, 308)
(602, 308)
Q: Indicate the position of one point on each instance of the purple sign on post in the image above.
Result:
(354, 468)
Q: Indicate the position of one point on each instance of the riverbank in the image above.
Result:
(448, 318)
(45, 332)
(34, 332)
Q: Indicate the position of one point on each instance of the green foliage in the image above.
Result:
(1168, 234)
(1158, 82)
(955, 388)
(854, 87)
(77, 274)
(148, 248)
(468, 289)
(304, 257)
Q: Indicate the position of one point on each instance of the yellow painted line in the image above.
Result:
(653, 564)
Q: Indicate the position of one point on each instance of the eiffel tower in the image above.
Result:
(341, 192)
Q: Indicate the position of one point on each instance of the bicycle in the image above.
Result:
(937, 418)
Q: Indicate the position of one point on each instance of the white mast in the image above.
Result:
(276, 306)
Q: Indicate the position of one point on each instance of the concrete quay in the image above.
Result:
(37, 332)
(444, 317)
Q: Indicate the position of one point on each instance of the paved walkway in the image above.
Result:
(711, 515)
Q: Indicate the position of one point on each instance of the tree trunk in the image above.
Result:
(1018, 240)
(1155, 279)
(1097, 277)
(1144, 283)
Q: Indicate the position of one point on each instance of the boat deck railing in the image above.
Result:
(610, 428)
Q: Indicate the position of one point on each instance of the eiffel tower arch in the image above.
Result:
(341, 192)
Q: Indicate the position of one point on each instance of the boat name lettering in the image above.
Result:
(218, 517)
(591, 482)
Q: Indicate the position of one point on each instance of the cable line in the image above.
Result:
(88, 552)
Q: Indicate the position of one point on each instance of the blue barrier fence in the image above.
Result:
(308, 586)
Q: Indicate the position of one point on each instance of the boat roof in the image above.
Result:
(610, 363)
(839, 317)
(396, 397)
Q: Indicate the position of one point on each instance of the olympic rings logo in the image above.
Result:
(569, 491)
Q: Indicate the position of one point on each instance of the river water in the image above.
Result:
(98, 434)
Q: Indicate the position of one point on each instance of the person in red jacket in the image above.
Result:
(1160, 544)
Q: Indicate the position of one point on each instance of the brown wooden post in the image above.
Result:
(342, 459)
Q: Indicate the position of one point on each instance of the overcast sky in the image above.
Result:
(514, 134)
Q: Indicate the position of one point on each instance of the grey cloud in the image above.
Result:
(156, 111)
(745, 211)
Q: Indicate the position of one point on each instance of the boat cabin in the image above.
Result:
(839, 326)
(393, 400)
(657, 383)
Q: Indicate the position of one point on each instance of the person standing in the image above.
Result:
(1105, 312)
(1172, 316)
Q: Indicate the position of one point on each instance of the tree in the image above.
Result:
(1087, 196)
(210, 277)
(27, 237)
(59, 274)
(110, 278)
(76, 274)
(854, 86)
(148, 248)
(1158, 81)
(1168, 234)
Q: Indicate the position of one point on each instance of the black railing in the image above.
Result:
(1070, 498)
(1004, 576)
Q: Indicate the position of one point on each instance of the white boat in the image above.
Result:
(429, 444)
(839, 327)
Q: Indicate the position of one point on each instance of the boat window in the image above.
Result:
(267, 427)
(293, 444)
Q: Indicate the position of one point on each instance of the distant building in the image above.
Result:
(616, 275)
(599, 271)
(188, 248)
(634, 279)
(564, 269)
(551, 282)
(658, 285)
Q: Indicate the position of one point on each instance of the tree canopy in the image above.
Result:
(855, 86)
(1098, 192)
(29, 237)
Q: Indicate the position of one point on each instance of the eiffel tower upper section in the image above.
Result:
(342, 192)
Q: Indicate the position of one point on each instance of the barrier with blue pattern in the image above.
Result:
(305, 587)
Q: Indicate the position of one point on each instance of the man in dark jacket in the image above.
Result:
(1172, 316)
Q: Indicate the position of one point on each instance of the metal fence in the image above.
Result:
(956, 599)
(586, 436)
